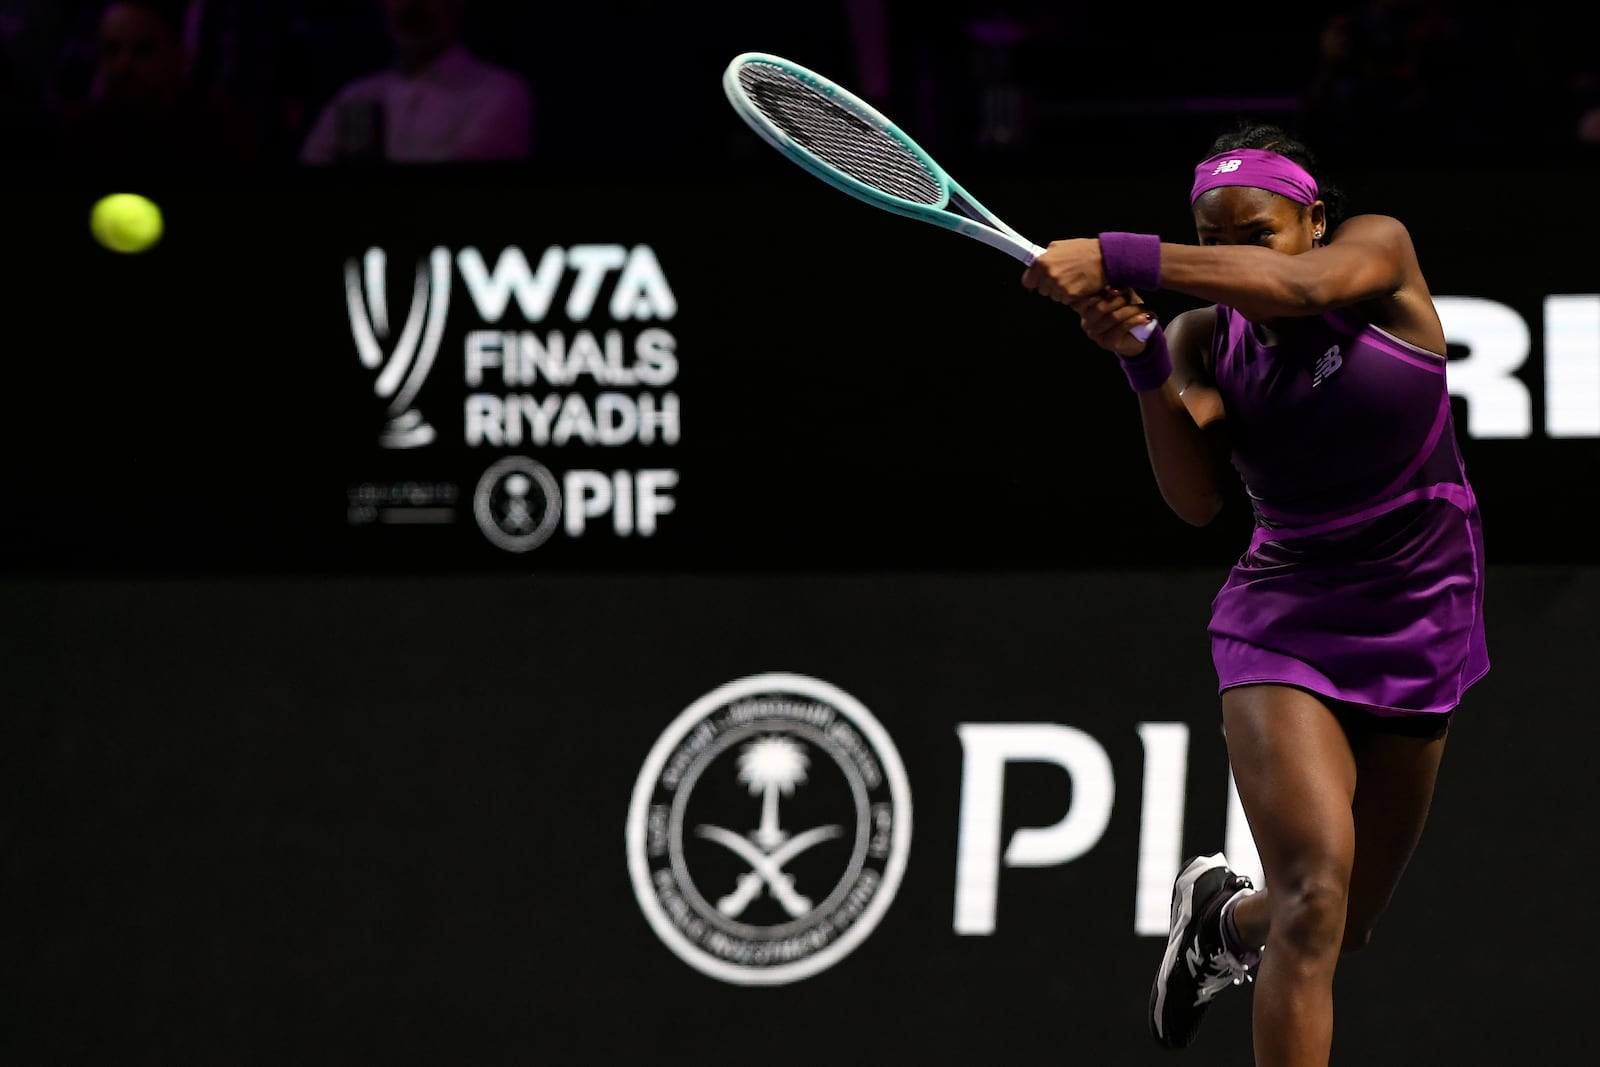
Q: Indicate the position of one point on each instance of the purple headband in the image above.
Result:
(1258, 169)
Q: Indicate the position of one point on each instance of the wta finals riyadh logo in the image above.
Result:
(769, 829)
(404, 367)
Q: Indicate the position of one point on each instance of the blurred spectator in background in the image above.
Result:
(1387, 68)
(1336, 93)
(1578, 107)
(141, 106)
(1589, 125)
(438, 102)
(44, 38)
(627, 85)
(330, 81)
(254, 53)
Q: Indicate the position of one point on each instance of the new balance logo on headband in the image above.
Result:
(1257, 168)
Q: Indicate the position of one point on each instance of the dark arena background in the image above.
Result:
(627, 602)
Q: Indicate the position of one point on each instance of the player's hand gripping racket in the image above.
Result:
(849, 144)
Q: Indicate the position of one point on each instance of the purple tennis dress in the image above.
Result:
(1363, 581)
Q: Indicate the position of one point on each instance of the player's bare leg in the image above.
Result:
(1296, 775)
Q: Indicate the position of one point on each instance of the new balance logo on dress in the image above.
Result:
(1327, 363)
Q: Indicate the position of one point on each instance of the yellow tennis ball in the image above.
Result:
(126, 222)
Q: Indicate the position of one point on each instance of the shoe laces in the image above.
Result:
(1223, 969)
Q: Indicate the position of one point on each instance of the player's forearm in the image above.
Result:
(1180, 457)
(1259, 282)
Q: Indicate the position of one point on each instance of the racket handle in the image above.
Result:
(1141, 332)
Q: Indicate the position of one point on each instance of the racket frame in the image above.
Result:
(956, 210)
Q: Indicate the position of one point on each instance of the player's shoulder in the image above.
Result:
(1192, 328)
(1189, 338)
(1372, 226)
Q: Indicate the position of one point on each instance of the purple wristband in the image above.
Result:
(1132, 259)
(1150, 369)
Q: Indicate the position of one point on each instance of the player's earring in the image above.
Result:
(1317, 234)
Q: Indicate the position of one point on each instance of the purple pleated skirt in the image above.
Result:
(1382, 609)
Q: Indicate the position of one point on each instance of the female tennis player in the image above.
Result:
(1348, 630)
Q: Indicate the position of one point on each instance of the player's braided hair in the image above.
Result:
(1248, 134)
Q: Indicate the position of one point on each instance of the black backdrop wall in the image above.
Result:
(396, 707)
(802, 380)
(339, 820)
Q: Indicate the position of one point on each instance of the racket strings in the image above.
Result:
(838, 136)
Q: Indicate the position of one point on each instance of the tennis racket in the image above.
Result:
(840, 138)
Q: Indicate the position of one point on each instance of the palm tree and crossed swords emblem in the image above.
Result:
(770, 767)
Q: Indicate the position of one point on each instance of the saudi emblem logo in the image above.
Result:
(769, 829)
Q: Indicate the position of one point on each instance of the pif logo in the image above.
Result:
(769, 829)
(518, 503)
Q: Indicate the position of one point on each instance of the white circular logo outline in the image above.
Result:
(485, 489)
(893, 869)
